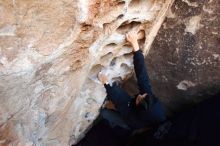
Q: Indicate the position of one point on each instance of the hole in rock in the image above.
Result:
(125, 67)
(120, 16)
(117, 79)
(113, 62)
(106, 25)
(106, 58)
(110, 11)
(108, 48)
(95, 70)
(134, 3)
(126, 26)
(111, 45)
(142, 38)
(121, 3)
(76, 65)
(115, 3)
(86, 27)
(141, 34)
(125, 49)
(128, 56)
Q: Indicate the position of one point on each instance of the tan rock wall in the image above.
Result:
(50, 54)
(184, 61)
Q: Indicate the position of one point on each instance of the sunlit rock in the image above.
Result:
(50, 55)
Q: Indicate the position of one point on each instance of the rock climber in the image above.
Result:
(129, 112)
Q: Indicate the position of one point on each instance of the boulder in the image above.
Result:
(184, 59)
(50, 55)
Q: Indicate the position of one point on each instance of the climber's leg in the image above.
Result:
(113, 118)
(119, 97)
(122, 103)
(155, 114)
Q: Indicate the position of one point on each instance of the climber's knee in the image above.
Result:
(157, 112)
(113, 118)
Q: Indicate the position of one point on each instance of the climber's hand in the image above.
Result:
(132, 37)
(103, 78)
(140, 98)
(109, 105)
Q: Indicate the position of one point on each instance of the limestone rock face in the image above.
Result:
(50, 54)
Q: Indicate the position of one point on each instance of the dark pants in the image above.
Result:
(128, 115)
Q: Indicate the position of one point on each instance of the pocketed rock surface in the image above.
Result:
(50, 55)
